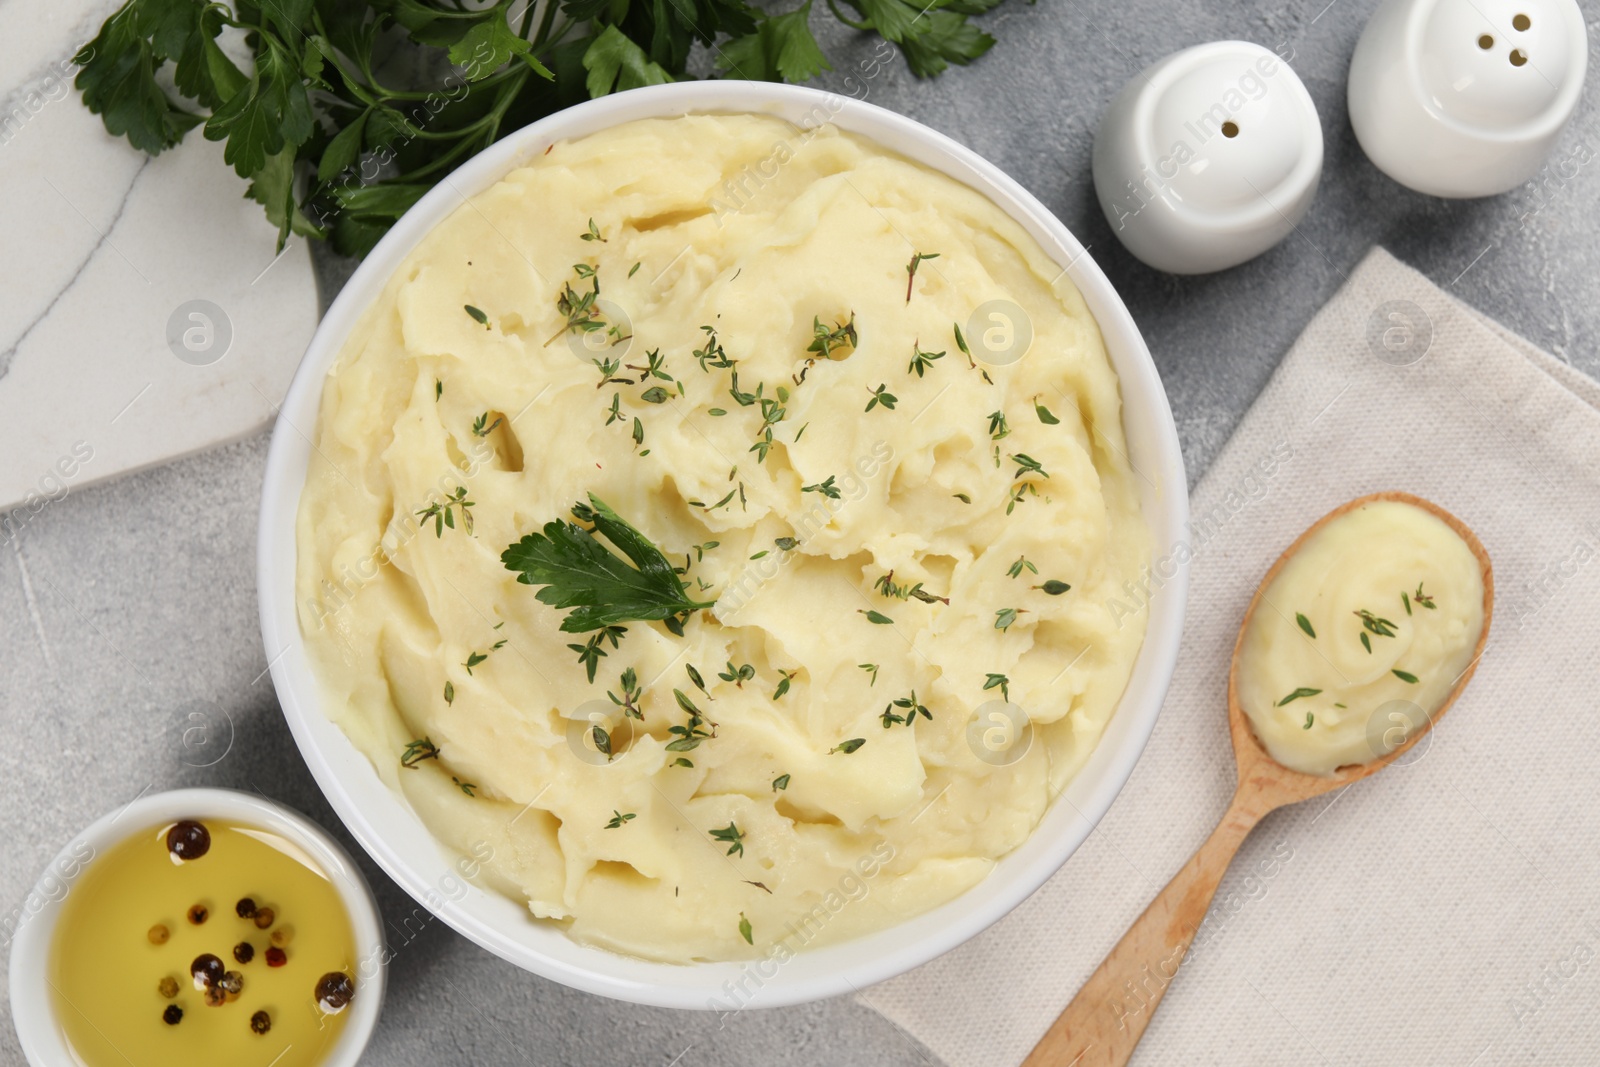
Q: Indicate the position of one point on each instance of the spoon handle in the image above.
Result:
(1105, 1021)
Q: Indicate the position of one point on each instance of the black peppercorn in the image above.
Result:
(246, 908)
(244, 952)
(206, 970)
(334, 991)
(172, 1015)
(260, 1022)
(188, 840)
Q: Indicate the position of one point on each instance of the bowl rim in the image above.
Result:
(32, 1008)
(408, 853)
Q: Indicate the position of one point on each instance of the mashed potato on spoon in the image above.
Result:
(861, 421)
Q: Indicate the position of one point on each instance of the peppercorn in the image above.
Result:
(334, 991)
(276, 957)
(244, 952)
(158, 934)
(215, 997)
(264, 917)
(260, 1022)
(232, 984)
(282, 936)
(206, 970)
(168, 987)
(246, 908)
(172, 1015)
(198, 914)
(188, 840)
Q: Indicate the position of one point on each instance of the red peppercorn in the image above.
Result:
(276, 957)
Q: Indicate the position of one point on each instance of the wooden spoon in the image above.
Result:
(1092, 1032)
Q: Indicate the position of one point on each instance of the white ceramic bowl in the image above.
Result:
(32, 1007)
(385, 825)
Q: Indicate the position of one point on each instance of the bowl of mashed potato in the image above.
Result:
(716, 549)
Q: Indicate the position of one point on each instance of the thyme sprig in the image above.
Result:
(579, 311)
(911, 270)
(885, 584)
(825, 341)
(688, 736)
(1373, 624)
(921, 361)
(825, 487)
(712, 355)
(731, 836)
(909, 707)
(1006, 618)
(738, 675)
(631, 694)
(416, 751)
(590, 653)
(443, 513)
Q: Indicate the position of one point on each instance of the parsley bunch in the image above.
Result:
(334, 146)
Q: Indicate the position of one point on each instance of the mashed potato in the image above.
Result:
(1361, 636)
(892, 682)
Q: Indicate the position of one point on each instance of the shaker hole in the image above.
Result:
(1486, 42)
(1230, 129)
(1521, 22)
(1518, 57)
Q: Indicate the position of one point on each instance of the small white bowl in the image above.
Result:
(397, 839)
(32, 1007)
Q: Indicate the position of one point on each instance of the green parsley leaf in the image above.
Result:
(602, 588)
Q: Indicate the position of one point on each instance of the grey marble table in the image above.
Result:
(125, 608)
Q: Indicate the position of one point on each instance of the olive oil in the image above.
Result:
(202, 942)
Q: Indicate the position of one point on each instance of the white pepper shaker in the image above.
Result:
(1464, 98)
(1208, 158)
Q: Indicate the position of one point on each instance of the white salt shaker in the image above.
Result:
(1465, 98)
(1208, 158)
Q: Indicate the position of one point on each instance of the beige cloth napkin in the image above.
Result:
(1446, 911)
